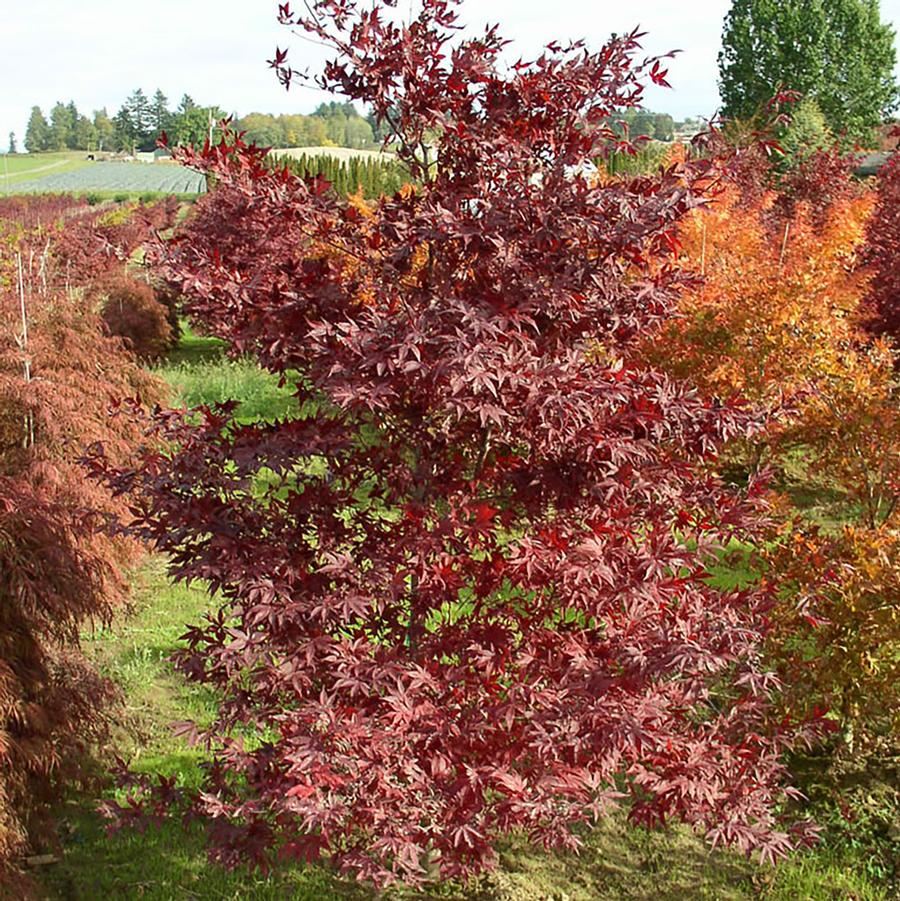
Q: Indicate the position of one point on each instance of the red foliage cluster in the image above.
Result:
(132, 311)
(59, 374)
(884, 253)
(28, 226)
(40, 210)
(751, 161)
(90, 246)
(91, 251)
(819, 181)
(466, 591)
(746, 151)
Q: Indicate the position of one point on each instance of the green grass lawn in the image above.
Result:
(619, 862)
(199, 373)
(18, 168)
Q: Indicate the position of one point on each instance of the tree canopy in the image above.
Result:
(141, 120)
(837, 51)
(37, 135)
(464, 590)
(337, 124)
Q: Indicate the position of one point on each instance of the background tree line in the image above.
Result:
(337, 124)
(640, 122)
(142, 119)
(136, 126)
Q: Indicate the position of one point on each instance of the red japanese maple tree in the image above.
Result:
(884, 252)
(464, 590)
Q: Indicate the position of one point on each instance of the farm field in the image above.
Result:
(70, 172)
(343, 154)
(116, 176)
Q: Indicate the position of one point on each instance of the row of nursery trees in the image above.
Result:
(371, 176)
(74, 325)
(466, 590)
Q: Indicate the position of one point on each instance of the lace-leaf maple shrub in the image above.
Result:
(464, 591)
(60, 573)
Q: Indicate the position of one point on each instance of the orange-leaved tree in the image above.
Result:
(774, 319)
(773, 311)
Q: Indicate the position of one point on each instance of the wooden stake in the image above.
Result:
(42, 272)
(787, 230)
(703, 251)
(28, 437)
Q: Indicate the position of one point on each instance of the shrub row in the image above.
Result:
(60, 372)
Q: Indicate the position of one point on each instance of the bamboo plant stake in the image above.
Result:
(22, 342)
(787, 231)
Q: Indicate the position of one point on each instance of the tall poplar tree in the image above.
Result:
(37, 135)
(839, 52)
(72, 136)
(125, 130)
(84, 134)
(105, 130)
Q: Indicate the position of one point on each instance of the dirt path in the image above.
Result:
(43, 168)
(11, 179)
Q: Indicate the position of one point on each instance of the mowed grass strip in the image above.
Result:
(199, 372)
(19, 168)
(618, 863)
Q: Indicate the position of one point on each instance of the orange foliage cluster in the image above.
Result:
(837, 635)
(775, 319)
(357, 271)
(59, 374)
(773, 314)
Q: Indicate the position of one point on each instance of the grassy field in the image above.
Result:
(619, 862)
(341, 153)
(18, 169)
(199, 373)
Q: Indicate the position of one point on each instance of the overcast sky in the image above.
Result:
(96, 52)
